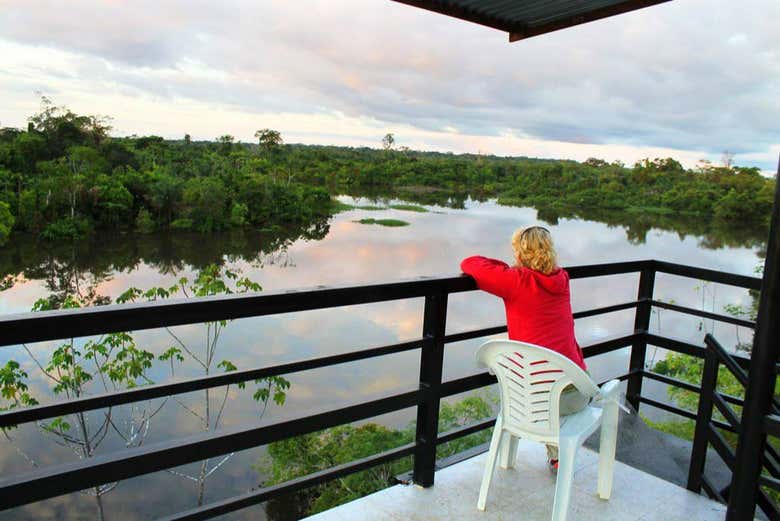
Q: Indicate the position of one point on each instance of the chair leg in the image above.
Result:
(508, 452)
(607, 446)
(567, 452)
(490, 465)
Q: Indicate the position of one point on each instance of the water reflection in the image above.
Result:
(342, 251)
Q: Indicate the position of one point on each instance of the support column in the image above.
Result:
(431, 364)
(761, 380)
(639, 347)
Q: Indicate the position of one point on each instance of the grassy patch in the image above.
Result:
(370, 207)
(383, 222)
(409, 208)
(338, 207)
(656, 210)
(682, 429)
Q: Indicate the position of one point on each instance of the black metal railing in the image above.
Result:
(56, 480)
(709, 432)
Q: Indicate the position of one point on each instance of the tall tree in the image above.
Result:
(269, 140)
(388, 141)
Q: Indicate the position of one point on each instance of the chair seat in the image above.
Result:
(581, 424)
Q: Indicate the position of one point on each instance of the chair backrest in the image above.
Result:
(530, 380)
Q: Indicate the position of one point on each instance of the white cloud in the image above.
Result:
(688, 79)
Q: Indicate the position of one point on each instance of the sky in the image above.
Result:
(688, 79)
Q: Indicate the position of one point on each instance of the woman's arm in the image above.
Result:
(492, 275)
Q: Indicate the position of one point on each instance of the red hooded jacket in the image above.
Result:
(538, 306)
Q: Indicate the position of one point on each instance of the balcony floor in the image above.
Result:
(526, 493)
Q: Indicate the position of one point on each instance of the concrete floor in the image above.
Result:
(526, 494)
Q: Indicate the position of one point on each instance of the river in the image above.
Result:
(338, 252)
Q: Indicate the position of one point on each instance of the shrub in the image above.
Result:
(182, 224)
(67, 228)
(144, 222)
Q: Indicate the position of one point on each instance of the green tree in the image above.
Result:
(225, 144)
(144, 222)
(212, 280)
(6, 222)
(238, 214)
(269, 140)
(77, 369)
(165, 197)
(388, 141)
(206, 201)
(113, 203)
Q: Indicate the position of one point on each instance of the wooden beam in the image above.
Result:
(590, 16)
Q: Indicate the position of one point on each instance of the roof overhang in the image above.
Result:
(526, 18)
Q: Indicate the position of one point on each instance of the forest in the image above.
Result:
(65, 176)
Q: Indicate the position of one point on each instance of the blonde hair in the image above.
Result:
(534, 249)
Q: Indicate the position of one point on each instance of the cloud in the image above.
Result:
(693, 77)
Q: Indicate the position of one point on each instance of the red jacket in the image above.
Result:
(538, 306)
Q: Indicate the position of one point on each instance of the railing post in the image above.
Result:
(761, 380)
(641, 325)
(701, 437)
(431, 363)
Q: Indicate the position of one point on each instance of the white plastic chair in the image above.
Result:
(530, 381)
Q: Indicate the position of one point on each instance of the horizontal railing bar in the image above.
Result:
(721, 447)
(610, 268)
(254, 497)
(729, 398)
(688, 386)
(53, 325)
(722, 277)
(671, 381)
(468, 335)
(704, 314)
(724, 426)
(71, 323)
(17, 416)
(668, 407)
(692, 350)
(608, 345)
(606, 309)
(725, 410)
(772, 424)
(467, 383)
(683, 412)
(678, 346)
(70, 477)
(769, 481)
(460, 432)
(459, 457)
(686, 348)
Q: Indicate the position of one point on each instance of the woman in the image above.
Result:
(538, 303)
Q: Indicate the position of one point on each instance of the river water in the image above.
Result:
(338, 252)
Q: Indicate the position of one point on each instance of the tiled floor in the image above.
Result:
(526, 493)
